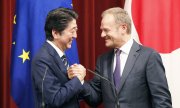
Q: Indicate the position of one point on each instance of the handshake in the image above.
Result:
(76, 70)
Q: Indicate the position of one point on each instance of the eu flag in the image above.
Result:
(28, 36)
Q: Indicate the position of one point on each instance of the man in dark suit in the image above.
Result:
(52, 88)
(136, 74)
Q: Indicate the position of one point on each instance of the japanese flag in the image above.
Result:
(156, 24)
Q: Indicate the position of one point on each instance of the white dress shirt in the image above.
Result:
(60, 53)
(125, 49)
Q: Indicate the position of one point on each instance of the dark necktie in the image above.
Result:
(117, 71)
(64, 60)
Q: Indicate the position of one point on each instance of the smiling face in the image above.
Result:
(112, 32)
(64, 39)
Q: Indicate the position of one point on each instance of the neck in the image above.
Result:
(124, 41)
(59, 46)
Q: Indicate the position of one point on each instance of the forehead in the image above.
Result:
(107, 20)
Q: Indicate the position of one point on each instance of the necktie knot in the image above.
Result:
(64, 60)
(118, 52)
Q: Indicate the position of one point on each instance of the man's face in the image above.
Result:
(64, 40)
(111, 31)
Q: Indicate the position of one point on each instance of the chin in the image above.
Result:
(69, 46)
(108, 45)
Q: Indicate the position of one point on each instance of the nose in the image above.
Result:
(74, 35)
(103, 34)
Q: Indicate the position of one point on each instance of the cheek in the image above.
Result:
(67, 38)
(115, 36)
(64, 40)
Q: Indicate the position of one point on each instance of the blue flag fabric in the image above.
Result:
(28, 36)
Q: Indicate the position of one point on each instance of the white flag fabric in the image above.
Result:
(156, 24)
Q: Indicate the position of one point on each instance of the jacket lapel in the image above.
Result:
(56, 58)
(108, 72)
(110, 67)
(133, 54)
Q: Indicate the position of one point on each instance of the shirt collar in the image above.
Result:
(60, 53)
(127, 46)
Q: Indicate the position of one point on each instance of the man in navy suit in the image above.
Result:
(52, 87)
(136, 73)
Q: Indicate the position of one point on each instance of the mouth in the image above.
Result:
(70, 41)
(107, 38)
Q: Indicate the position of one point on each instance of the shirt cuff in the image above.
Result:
(82, 82)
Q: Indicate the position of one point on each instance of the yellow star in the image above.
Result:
(24, 56)
(14, 19)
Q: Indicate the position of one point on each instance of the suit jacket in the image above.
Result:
(58, 91)
(143, 83)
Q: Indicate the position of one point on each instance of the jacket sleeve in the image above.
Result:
(92, 89)
(57, 89)
(157, 82)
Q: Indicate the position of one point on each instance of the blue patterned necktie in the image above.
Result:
(117, 71)
(64, 60)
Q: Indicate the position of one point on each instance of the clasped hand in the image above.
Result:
(76, 70)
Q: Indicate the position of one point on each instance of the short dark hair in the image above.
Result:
(58, 19)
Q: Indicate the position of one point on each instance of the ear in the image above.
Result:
(123, 27)
(54, 34)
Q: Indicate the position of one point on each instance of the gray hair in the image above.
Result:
(121, 17)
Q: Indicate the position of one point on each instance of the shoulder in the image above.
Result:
(147, 50)
(148, 53)
(43, 54)
(106, 54)
(144, 52)
(142, 49)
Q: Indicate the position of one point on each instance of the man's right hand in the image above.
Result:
(76, 70)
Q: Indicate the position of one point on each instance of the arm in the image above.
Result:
(157, 82)
(91, 90)
(92, 93)
(57, 89)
